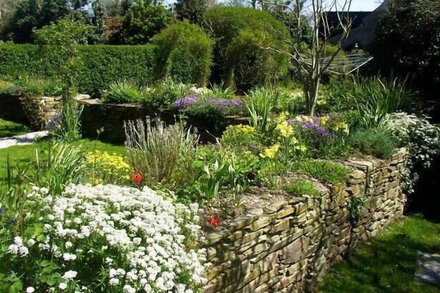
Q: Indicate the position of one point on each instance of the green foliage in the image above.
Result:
(59, 44)
(65, 164)
(260, 104)
(101, 65)
(224, 167)
(249, 63)
(355, 206)
(192, 10)
(184, 52)
(372, 98)
(301, 188)
(323, 170)
(203, 115)
(31, 14)
(39, 86)
(9, 128)
(122, 92)
(7, 87)
(407, 42)
(373, 141)
(164, 93)
(155, 150)
(239, 34)
(143, 20)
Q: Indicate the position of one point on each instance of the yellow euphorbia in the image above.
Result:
(271, 152)
(341, 126)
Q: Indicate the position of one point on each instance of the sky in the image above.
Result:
(364, 5)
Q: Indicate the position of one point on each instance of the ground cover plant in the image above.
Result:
(8, 128)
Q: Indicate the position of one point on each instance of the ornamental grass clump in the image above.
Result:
(156, 150)
(105, 238)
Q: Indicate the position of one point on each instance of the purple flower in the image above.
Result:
(224, 104)
(185, 102)
(55, 122)
(314, 126)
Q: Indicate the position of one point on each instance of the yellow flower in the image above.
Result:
(284, 128)
(302, 148)
(341, 126)
(323, 121)
(321, 102)
(271, 152)
(283, 117)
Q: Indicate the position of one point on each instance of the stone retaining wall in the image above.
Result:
(285, 243)
(35, 111)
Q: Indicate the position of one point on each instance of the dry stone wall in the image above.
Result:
(286, 244)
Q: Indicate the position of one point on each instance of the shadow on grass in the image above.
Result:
(387, 263)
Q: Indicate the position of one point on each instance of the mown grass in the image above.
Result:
(8, 128)
(388, 263)
(25, 156)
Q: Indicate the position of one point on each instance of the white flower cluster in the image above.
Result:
(421, 138)
(143, 237)
(18, 247)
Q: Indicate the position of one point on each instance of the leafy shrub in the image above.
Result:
(302, 187)
(96, 246)
(122, 92)
(373, 98)
(184, 52)
(239, 33)
(323, 170)
(102, 64)
(373, 141)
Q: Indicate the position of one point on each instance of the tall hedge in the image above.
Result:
(102, 64)
(248, 33)
(184, 53)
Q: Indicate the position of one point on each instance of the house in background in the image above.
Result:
(364, 25)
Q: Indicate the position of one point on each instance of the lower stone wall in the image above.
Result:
(286, 244)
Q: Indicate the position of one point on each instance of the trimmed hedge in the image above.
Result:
(185, 51)
(102, 64)
(245, 32)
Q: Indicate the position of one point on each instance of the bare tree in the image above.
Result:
(312, 66)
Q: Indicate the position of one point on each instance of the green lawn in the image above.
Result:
(388, 263)
(23, 155)
(8, 128)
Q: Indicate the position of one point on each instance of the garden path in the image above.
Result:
(24, 139)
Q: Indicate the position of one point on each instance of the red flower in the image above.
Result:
(137, 177)
(214, 221)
